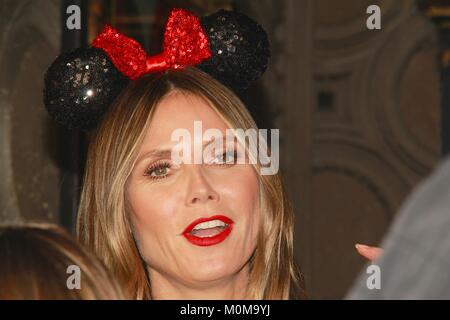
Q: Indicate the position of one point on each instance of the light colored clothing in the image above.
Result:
(415, 263)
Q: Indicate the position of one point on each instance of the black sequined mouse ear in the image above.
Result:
(240, 49)
(79, 86)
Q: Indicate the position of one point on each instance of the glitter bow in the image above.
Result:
(185, 43)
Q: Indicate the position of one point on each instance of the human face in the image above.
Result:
(166, 197)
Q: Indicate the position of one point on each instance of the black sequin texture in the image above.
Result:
(79, 87)
(240, 49)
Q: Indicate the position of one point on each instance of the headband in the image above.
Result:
(80, 85)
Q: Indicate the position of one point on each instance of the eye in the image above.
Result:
(158, 170)
(226, 158)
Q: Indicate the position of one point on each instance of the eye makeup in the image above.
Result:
(157, 169)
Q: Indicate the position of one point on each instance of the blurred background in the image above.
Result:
(363, 114)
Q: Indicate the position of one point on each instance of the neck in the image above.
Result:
(233, 287)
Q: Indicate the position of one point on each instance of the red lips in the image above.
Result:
(208, 241)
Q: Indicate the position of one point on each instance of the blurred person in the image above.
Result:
(415, 259)
(34, 259)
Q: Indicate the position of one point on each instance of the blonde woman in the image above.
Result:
(168, 229)
(35, 258)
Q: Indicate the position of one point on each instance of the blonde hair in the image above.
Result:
(103, 221)
(34, 259)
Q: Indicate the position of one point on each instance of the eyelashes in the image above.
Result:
(155, 170)
(161, 168)
(225, 158)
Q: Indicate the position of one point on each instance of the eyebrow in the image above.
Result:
(157, 153)
(162, 153)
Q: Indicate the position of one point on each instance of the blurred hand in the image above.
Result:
(370, 253)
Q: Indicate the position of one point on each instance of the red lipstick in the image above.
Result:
(203, 241)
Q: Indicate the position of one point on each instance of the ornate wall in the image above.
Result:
(29, 174)
(359, 117)
(358, 113)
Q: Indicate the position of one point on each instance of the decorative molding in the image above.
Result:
(29, 28)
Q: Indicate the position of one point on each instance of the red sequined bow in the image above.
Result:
(185, 43)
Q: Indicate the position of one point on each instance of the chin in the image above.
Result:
(213, 271)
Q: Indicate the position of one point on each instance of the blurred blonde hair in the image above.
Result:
(34, 259)
(103, 217)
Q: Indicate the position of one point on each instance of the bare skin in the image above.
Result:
(368, 252)
(166, 197)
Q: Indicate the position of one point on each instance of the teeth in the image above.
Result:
(210, 224)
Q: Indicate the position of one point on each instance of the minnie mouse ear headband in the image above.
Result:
(80, 85)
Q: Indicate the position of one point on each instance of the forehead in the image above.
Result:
(179, 110)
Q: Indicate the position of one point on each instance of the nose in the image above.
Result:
(199, 188)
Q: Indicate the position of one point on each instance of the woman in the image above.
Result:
(134, 208)
(37, 261)
(170, 229)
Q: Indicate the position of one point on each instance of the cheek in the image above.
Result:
(241, 191)
(152, 210)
